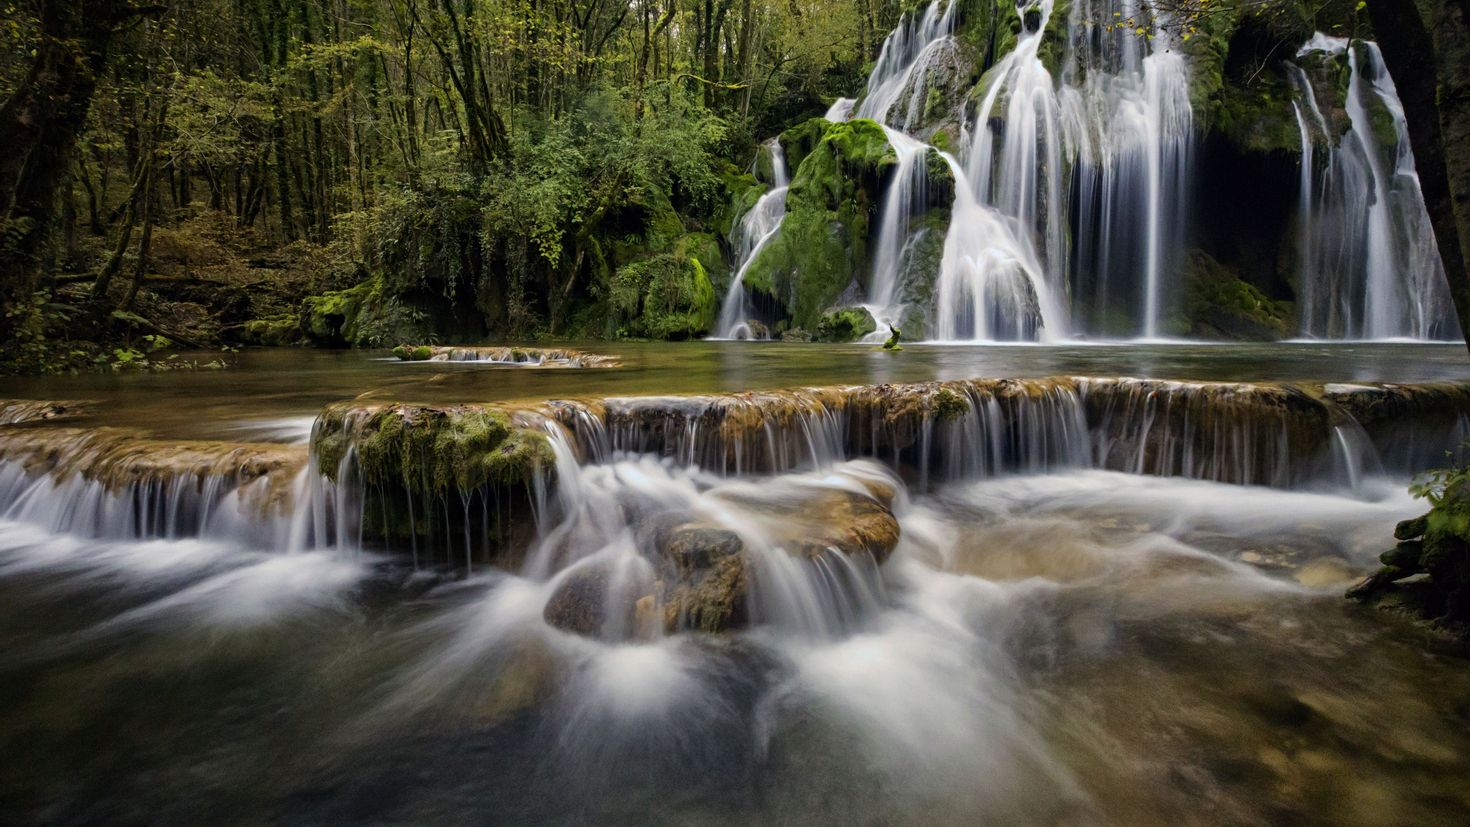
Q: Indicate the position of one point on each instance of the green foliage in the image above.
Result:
(664, 297)
(845, 324)
(361, 316)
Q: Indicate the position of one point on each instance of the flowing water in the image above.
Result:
(1110, 600)
(755, 230)
(1072, 185)
(1368, 264)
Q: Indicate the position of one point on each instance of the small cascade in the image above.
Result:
(840, 110)
(756, 229)
(534, 357)
(897, 87)
(624, 489)
(1367, 258)
(907, 192)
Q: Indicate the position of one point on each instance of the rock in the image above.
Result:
(413, 353)
(714, 601)
(795, 335)
(580, 603)
(1411, 529)
(845, 324)
(690, 548)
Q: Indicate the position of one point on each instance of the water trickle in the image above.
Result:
(756, 229)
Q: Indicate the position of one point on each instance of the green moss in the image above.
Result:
(666, 296)
(947, 405)
(845, 324)
(799, 141)
(275, 331)
(413, 353)
(433, 450)
(1217, 304)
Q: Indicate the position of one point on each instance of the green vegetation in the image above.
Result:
(1434, 549)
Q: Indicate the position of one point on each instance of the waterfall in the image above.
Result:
(756, 229)
(1368, 265)
(840, 110)
(903, 66)
(1117, 128)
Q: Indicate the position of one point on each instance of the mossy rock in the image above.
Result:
(432, 450)
(1217, 304)
(275, 331)
(413, 353)
(1437, 546)
(845, 324)
(667, 296)
(364, 315)
(799, 141)
(822, 247)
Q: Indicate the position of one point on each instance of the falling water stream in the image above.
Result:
(1367, 260)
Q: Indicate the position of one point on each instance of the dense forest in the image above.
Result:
(207, 173)
(461, 164)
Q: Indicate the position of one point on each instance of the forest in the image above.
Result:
(219, 173)
(454, 167)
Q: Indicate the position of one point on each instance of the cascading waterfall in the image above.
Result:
(1368, 264)
(1117, 128)
(1128, 125)
(756, 229)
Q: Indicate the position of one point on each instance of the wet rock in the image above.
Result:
(587, 602)
(714, 600)
(845, 324)
(690, 548)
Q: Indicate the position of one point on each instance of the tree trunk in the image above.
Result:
(39, 124)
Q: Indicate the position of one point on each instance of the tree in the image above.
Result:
(39, 125)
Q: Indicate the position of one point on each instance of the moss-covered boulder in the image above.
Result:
(1219, 305)
(414, 353)
(365, 315)
(822, 247)
(845, 324)
(667, 296)
(1434, 550)
(275, 331)
(455, 479)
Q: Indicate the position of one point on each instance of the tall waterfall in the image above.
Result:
(756, 229)
(1117, 129)
(1367, 258)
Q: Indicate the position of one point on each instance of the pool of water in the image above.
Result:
(285, 384)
